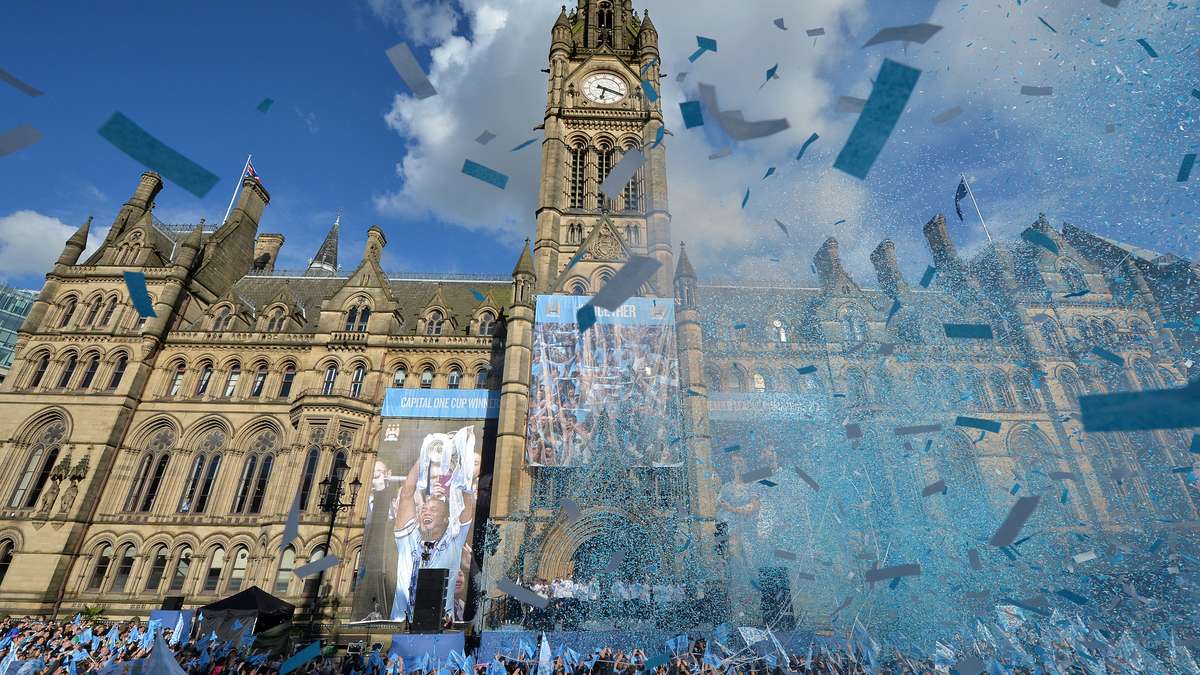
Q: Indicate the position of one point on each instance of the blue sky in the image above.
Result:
(343, 134)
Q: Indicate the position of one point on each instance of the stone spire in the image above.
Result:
(324, 263)
(684, 267)
(75, 245)
(525, 262)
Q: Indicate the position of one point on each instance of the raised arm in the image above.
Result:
(406, 507)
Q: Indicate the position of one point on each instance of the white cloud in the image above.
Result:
(30, 243)
(421, 21)
(492, 81)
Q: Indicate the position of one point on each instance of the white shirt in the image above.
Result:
(447, 554)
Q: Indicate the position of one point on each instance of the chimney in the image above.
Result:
(886, 268)
(149, 185)
(375, 243)
(940, 244)
(829, 263)
(251, 202)
(266, 251)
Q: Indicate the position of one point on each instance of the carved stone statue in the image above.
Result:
(48, 498)
(68, 499)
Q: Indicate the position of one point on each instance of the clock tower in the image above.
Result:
(604, 73)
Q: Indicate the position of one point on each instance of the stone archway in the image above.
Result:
(584, 547)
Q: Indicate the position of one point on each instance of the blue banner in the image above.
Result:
(561, 309)
(451, 404)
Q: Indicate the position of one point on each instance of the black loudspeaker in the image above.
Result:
(173, 603)
(776, 591)
(430, 600)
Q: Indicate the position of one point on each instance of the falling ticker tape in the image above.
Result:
(928, 276)
(850, 104)
(626, 282)
(316, 566)
(757, 474)
(1039, 238)
(977, 423)
(18, 139)
(933, 488)
(409, 69)
(692, 114)
(134, 141)
(12, 79)
(523, 594)
(907, 570)
(918, 429)
(917, 32)
(1027, 90)
(893, 86)
(950, 114)
(619, 177)
(1011, 527)
(807, 479)
(976, 331)
(1142, 410)
(485, 174)
(135, 283)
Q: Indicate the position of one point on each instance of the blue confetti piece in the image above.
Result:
(739, 326)
(1185, 169)
(1157, 542)
(1062, 499)
(478, 296)
(768, 483)
(928, 445)
(586, 317)
(651, 95)
(1196, 94)
(746, 198)
(975, 331)
(706, 45)
(1015, 489)
(1077, 294)
(1108, 356)
(839, 222)
(1149, 50)
(524, 145)
(893, 86)
(1039, 238)
(692, 115)
(1182, 469)
(1142, 410)
(485, 174)
(1047, 25)
(658, 136)
(731, 448)
(928, 276)
(135, 282)
(1195, 447)
(152, 153)
(770, 172)
(265, 105)
(300, 658)
(1072, 596)
(977, 423)
(810, 141)
(892, 312)
(807, 370)
(771, 74)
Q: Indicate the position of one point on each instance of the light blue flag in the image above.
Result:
(300, 658)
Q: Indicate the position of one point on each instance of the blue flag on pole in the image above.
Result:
(958, 197)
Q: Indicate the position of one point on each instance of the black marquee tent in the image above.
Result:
(251, 607)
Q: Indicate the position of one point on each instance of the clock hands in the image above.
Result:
(604, 88)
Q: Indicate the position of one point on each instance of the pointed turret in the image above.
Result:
(324, 263)
(524, 278)
(189, 248)
(684, 268)
(75, 245)
(525, 262)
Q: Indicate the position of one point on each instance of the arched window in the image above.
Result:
(399, 376)
(1025, 392)
(260, 379)
(351, 319)
(100, 569)
(68, 371)
(1001, 392)
(283, 578)
(330, 380)
(1050, 335)
(578, 288)
(363, 314)
(158, 568)
(1070, 386)
(575, 233)
(231, 380)
(260, 485)
(1072, 277)
(310, 475)
(206, 371)
(454, 379)
(43, 454)
(68, 311)
(257, 473)
(108, 312)
(481, 378)
(216, 565)
(150, 471)
(760, 383)
(632, 201)
(427, 378)
(124, 569)
(93, 310)
(183, 565)
(224, 316)
(241, 557)
(203, 476)
(177, 379)
(356, 382)
(854, 326)
(353, 573)
(433, 325)
(275, 324)
(123, 362)
(246, 484)
(578, 178)
(487, 324)
(605, 158)
(289, 376)
(6, 556)
(89, 373)
(975, 382)
(605, 20)
(604, 277)
(39, 371)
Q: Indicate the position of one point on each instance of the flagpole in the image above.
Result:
(235, 189)
(969, 194)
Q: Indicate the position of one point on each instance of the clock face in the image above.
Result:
(604, 88)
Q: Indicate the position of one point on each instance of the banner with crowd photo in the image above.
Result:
(421, 509)
(625, 365)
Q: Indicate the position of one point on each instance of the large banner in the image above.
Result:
(421, 507)
(624, 365)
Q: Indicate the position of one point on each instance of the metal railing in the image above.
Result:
(395, 276)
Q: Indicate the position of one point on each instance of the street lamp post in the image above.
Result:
(333, 491)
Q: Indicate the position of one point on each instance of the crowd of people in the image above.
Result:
(30, 646)
(621, 590)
